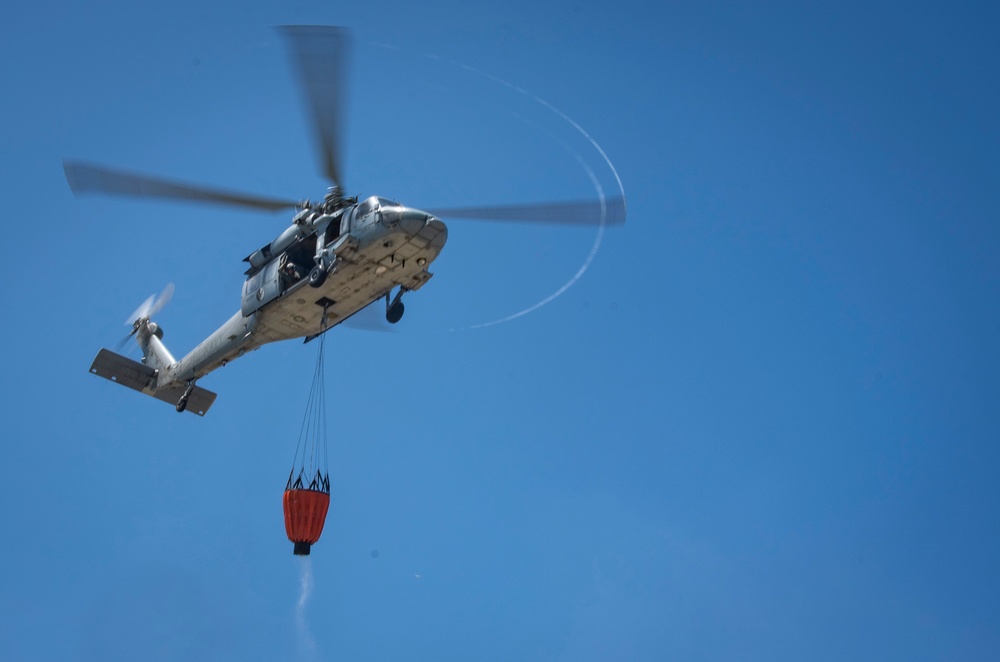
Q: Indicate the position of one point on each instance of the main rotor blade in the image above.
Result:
(580, 212)
(88, 177)
(321, 55)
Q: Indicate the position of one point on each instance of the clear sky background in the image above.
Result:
(763, 425)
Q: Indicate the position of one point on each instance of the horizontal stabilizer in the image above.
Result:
(139, 377)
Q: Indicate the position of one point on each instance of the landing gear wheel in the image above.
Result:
(182, 404)
(394, 313)
(317, 276)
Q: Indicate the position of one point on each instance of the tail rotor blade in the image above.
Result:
(124, 341)
(162, 300)
(611, 211)
(152, 305)
(141, 311)
(321, 56)
(91, 178)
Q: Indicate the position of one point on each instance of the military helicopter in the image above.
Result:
(337, 257)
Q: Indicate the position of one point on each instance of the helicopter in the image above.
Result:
(338, 255)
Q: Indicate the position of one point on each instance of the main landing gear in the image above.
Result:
(394, 310)
(323, 268)
(317, 276)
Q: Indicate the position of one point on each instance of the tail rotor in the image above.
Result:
(152, 305)
(148, 308)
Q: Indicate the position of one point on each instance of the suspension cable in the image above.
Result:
(314, 464)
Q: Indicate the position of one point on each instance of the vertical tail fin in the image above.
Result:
(154, 353)
(149, 334)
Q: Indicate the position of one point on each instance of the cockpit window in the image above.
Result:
(366, 207)
(386, 202)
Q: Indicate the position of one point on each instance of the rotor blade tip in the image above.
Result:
(69, 171)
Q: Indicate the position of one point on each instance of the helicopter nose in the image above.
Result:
(413, 221)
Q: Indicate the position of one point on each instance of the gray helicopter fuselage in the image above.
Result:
(371, 248)
(335, 258)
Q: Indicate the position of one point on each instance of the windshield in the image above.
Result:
(366, 207)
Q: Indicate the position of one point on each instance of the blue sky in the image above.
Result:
(762, 425)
